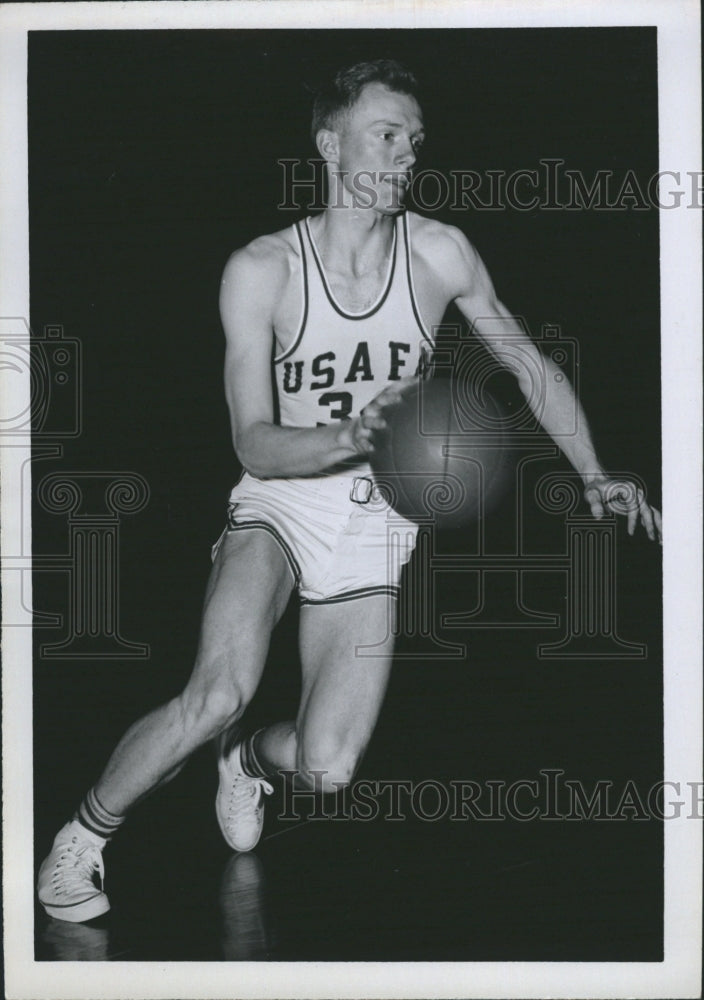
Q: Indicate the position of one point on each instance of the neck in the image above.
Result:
(353, 239)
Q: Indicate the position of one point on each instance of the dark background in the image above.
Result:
(153, 155)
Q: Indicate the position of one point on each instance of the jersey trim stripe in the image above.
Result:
(304, 316)
(331, 298)
(411, 286)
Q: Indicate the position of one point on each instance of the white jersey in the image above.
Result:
(336, 530)
(338, 360)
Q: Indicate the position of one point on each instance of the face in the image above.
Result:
(374, 149)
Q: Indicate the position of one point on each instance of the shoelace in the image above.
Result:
(245, 788)
(76, 866)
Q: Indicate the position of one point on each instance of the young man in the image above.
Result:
(349, 300)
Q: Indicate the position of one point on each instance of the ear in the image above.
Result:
(328, 145)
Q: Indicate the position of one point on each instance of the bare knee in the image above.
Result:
(206, 711)
(327, 764)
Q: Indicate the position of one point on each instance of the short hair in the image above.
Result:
(342, 93)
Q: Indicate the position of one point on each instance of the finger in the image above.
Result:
(632, 516)
(593, 497)
(638, 506)
(374, 421)
(658, 522)
(624, 498)
(358, 430)
(365, 441)
(389, 397)
(596, 507)
(396, 390)
(647, 519)
(373, 409)
(363, 431)
(407, 382)
(369, 412)
(632, 500)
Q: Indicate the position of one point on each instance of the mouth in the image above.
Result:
(399, 182)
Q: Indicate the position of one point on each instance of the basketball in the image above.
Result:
(444, 458)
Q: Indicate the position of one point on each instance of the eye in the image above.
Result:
(386, 136)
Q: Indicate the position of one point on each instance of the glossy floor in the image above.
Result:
(389, 890)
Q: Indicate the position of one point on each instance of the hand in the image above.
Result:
(622, 496)
(371, 419)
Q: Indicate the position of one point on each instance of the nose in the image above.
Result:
(405, 154)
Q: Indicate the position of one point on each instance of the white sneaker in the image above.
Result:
(240, 801)
(66, 885)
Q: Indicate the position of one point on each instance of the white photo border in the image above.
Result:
(679, 75)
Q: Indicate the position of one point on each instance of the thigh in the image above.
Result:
(247, 592)
(346, 654)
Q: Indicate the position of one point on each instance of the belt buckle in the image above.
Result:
(362, 488)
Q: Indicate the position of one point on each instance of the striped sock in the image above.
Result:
(251, 763)
(94, 817)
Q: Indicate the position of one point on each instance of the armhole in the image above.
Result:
(304, 290)
(411, 287)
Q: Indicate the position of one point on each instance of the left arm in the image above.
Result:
(554, 403)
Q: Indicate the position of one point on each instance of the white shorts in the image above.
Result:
(339, 536)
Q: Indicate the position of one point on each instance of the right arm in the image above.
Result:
(253, 282)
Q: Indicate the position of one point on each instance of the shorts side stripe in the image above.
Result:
(351, 595)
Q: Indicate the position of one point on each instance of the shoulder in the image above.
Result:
(430, 235)
(264, 265)
(444, 248)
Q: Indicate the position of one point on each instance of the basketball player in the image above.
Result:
(348, 301)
